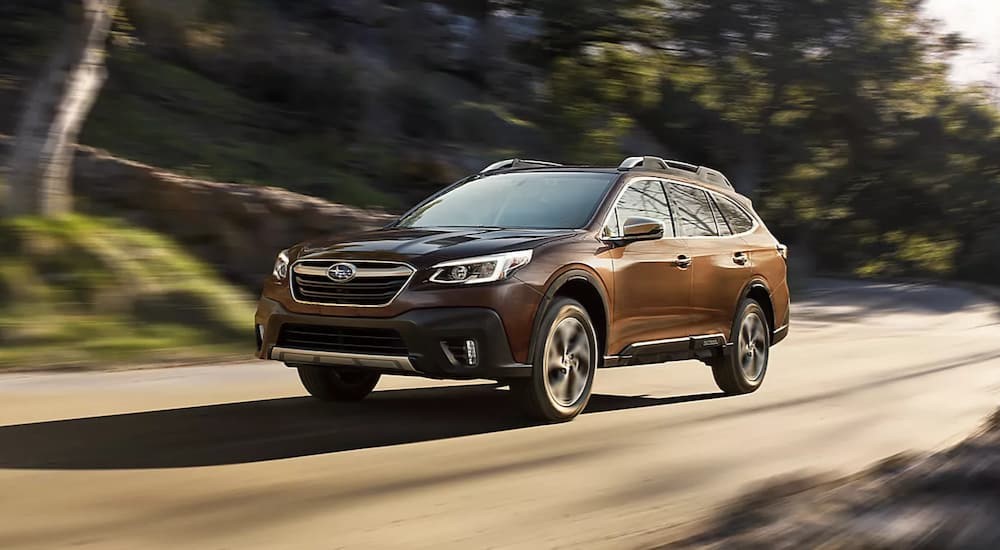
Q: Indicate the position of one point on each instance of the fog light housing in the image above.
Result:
(462, 353)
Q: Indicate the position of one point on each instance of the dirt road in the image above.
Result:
(234, 457)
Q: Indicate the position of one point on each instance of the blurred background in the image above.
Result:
(158, 153)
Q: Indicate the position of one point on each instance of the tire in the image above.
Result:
(332, 384)
(561, 381)
(742, 370)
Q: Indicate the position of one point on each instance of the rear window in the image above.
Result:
(738, 220)
(694, 212)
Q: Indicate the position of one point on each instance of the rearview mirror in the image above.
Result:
(642, 229)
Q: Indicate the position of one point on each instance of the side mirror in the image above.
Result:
(642, 229)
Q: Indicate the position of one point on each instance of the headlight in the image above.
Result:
(280, 271)
(484, 269)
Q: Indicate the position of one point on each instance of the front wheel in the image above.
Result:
(333, 384)
(742, 370)
(566, 358)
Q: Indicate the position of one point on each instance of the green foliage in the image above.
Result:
(175, 118)
(421, 114)
(836, 117)
(902, 254)
(570, 27)
(592, 100)
(28, 34)
(83, 291)
(493, 124)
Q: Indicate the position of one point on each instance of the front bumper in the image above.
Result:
(422, 330)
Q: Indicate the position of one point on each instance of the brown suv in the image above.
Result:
(535, 275)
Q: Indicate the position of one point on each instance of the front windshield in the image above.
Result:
(529, 200)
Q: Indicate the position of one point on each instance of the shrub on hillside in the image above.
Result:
(82, 291)
(418, 112)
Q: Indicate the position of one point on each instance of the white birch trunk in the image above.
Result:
(40, 169)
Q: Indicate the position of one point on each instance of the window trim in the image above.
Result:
(618, 225)
(618, 197)
(664, 182)
(720, 218)
(670, 206)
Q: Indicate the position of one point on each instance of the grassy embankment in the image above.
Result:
(88, 292)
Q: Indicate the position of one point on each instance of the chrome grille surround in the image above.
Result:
(376, 283)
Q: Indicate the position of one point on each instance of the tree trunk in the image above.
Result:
(748, 172)
(752, 160)
(40, 168)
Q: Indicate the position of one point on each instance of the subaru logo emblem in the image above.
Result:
(342, 272)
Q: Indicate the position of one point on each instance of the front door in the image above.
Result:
(652, 278)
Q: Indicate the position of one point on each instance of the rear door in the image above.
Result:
(652, 288)
(767, 260)
(720, 262)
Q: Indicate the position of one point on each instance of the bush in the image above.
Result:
(492, 124)
(980, 260)
(418, 112)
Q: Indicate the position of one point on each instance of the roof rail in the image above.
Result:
(701, 173)
(510, 164)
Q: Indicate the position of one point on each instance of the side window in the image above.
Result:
(646, 199)
(720, 220)
(737, 218)
(694, 212)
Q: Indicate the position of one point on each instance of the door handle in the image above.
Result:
(740, 258)
(682, 262)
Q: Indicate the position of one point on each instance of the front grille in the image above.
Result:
(365, 341)
(376, 283)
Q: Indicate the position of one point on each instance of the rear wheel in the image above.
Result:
(566, 358)
(742, 370)
(333, 384)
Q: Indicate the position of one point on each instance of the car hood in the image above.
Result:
(425, 247)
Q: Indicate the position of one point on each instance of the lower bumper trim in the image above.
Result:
(422, 331)
(307, 357)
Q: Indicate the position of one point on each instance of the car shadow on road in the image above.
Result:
(270, 429)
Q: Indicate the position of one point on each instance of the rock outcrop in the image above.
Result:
(237, 228)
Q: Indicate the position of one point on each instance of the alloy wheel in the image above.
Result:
(568, 367)
(752, 346)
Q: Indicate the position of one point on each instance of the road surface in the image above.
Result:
(234, 456)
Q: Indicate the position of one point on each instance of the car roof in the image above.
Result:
(630, 175)
(721, 189)
(574, 168)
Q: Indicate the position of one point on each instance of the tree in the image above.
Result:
(568, 27)
(54, 111)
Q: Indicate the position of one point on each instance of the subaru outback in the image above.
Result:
(537, 275)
